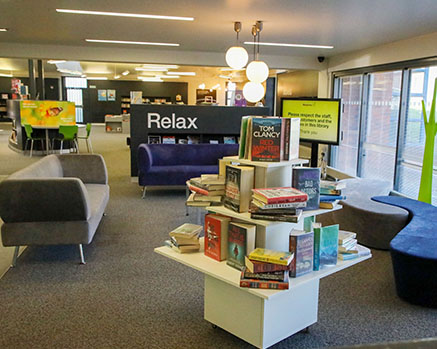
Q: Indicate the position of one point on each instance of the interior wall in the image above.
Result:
(296, 84)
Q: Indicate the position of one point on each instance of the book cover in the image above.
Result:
(186, 230)
(168, 139)
(241, 241)
(279, 195)
(263, 267)
(216, 236)
(239, 183)
(302, 245)
(307, 180)
(266, 139)
(325, 245)
(271, 256)
(265, 284)
(362, 251)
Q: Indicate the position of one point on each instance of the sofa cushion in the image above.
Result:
(176, 175)
(47, 167)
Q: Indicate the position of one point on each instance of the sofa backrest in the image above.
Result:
(189, 154)
(47, 167)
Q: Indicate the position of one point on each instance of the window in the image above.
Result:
(74, 94)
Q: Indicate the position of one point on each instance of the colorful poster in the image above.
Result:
(101, 95)
(47, 113)
(239, 100)
(111, 95)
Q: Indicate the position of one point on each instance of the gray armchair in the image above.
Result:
(58, 200)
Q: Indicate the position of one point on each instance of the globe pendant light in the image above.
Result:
(253, 91)
(237, 56)
(257, 71)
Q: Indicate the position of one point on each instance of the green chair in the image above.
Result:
(69, 133)
(87, 138)
(29, 134)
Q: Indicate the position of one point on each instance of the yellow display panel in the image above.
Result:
(319, 118)
(47, 113)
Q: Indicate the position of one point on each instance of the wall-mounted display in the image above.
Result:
(111, 95)
(47, 113)
(101, 95)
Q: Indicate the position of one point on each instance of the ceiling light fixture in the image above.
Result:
(3, 29)
(96, 78)
(150, 69)
(131, 42)
(185, 73)
(117, 76)
(202, 86)
(167, 66)
(150, 79)
(225, 76)
(54, 61)
(6, 75)
(215, 86)
(83, 76)
(168, 76)
(236, 56)
(123, 14)
(288, 45)
(253, 91)
(126, 72)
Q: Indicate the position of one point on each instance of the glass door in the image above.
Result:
(345, 156)
(380, 126)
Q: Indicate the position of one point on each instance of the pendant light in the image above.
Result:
(253, 91)
(236, 56)
(257, 71)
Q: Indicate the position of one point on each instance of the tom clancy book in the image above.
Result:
(307, 179)
(239, 183)
(241, 241)
(302, 244)
(266, 139)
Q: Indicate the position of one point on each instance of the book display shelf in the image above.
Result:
(258, 316)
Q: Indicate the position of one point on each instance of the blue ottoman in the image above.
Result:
(414, 252)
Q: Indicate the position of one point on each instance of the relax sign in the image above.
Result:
(166, 122)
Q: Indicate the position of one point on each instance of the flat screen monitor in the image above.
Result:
(319, 118)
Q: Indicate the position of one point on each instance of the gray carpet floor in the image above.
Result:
(126, 296)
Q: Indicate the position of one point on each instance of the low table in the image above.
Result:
(260, 317)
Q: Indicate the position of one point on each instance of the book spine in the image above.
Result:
(290, 211)
(293, 248)
(317, 236)
(287, 139)
(198, 190)
(300, 204)
(329, 198)
(268, 260)
(264, 276)
(275, 218)
(259, 267)
(264, 284)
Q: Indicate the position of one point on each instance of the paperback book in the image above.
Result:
(264, 267)
(307, 180)
(265, 284)
(325, 245)
(239, 183)
(362, 251)
(186, 230)
(266, 139)
(279, 195)
(241, 241)
(271, 256)
(280, 217)
(284, 205)
(216, 236)
(302, 245)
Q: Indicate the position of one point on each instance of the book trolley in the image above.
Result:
(260, 317)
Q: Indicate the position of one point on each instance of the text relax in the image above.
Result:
(180, 122)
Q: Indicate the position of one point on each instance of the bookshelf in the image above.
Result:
(260, 317)
(3, 105)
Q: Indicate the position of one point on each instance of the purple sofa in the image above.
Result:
(174, 164)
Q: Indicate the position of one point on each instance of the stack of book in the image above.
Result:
(206, 190)
(330, 193)
(348, 248)
(269, 138)
(185, 238)
(266, 269)
(282, 204)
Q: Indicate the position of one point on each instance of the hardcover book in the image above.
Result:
(263, 267)
(284, 205)
(278, 217)
(239, 183)
(302, 245)
(265, 284)
(276, 275)
(216, 236)
(307, 180)
(294, 138)
(325, 245)
(271, 256)
(241, 241)
(279, 195)
(266, 139)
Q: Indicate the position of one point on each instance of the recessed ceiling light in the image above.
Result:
(286, 45)
(150, 79)
(6, 75)
(202, 86)
(54, 61)
(96, 78)
(3, 29)
(132, 42)
(126, 72)
(122, 14)
(150, 69)
(117, 76)
(186, 73)
(168, 76)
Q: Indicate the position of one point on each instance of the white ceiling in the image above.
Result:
(348, 25)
